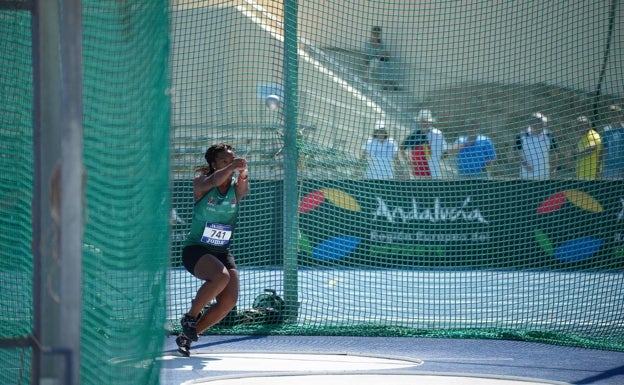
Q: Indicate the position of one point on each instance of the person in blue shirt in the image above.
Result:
(475, 157)
(613, 144)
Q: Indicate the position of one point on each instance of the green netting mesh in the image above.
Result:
(437, 230)
(126, 156)
(126, 133)
(16, 165)
(451, 237)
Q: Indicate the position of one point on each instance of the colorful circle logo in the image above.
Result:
(339, 246)
(578, 248)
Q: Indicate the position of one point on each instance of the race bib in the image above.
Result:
(217, 234)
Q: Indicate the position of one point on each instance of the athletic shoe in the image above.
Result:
(184, 345)
(189, 327)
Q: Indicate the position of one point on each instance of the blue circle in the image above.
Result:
(578, 249)
(335, 248)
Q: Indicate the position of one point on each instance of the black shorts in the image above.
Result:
(191, 254)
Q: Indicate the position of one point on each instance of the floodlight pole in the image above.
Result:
(291, 160)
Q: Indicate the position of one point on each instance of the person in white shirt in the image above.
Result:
(438, 147)
(534, 147)
(380, 152)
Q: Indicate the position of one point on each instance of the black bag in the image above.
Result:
(268, 308)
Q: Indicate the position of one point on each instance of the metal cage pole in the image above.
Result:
(291, 159)
(58, 188)
(46, 119)
(71, 184)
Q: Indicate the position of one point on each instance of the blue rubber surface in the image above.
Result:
(486, 358)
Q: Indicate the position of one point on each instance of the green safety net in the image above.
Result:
(434, 230)
(126, 158)
(16, 180)
(433, 227)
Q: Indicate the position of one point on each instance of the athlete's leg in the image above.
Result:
(216, 277)
(225, 301)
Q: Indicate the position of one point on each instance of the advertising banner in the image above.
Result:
(433, 224)
(489, 224)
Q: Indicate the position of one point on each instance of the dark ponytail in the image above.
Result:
(211, 157)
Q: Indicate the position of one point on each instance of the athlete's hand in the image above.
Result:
(239, 164)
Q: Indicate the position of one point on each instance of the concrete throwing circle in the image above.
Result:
(369, 379)
(289, 362)
(326, 369)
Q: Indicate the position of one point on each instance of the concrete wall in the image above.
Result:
(440, 42)
(220, 55)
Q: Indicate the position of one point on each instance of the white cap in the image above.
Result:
(425, 116)
(272, 102)
(461, 140)
(380, 125)
(539, 116)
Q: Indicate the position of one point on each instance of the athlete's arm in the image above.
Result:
(242, 185)
(204, 183)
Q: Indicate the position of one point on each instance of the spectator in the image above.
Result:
(534, 147)
(613, 144)
(380, 152)
(437, 145)
(415, 149)
(588, 151)
(379, 67)
(475, 156)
